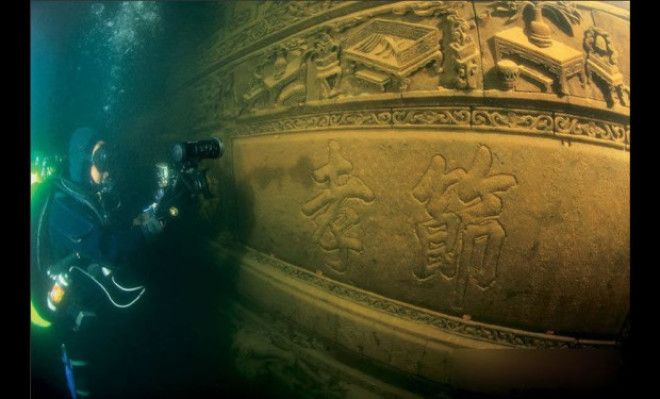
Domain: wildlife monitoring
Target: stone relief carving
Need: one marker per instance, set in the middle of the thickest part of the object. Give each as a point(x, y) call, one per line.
point(426, 8)
point(265, 18)
point(546, 66)
point(507, 119)
point(384, 51)
point(563, 13)
point(263, 351)
point(279, 79)
point(327, 70)
point(326, 63)
point(601, 63)
point(557, 125)
point(378, 55)
point(541, 122)
point(435, 116)
point(532, 52)
point(462, 236)
point(465, 52)
point(331, 210)
point(568, 125)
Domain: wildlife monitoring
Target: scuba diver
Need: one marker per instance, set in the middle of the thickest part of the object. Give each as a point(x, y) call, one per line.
point(78, 245)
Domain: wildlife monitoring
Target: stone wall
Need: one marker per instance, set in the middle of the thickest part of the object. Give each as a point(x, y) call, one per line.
point(411, 178)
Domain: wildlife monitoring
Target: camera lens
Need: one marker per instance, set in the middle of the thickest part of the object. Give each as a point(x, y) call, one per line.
point(197, 150)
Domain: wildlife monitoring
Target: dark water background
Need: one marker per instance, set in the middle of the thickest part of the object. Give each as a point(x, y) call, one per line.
point(104, 65)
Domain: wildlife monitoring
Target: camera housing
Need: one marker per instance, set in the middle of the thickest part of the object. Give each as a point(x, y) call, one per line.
point(195, 151)
point(181, 180)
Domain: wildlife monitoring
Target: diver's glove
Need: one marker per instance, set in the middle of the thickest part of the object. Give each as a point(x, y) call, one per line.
point(149, 224)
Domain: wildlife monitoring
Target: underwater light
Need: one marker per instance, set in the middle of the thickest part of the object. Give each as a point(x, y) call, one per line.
point(36, 318)
point(34, 178)
point(43, 167)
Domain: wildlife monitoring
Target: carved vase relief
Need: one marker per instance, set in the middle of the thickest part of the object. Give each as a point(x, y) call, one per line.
point(333, 212)
point(462, 236)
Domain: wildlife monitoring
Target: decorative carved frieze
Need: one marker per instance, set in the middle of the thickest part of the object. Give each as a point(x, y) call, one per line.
point(324, 65)
point(431, 117)
point(266, 18)
point(455, 325)
point(512, 120)
point(571, 126)
point(505, 120)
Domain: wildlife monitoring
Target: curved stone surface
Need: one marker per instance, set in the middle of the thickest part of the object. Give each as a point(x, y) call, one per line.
point(461, 169)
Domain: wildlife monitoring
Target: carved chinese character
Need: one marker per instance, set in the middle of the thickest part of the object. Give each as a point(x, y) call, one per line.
point(462, 235)
point(331, 210)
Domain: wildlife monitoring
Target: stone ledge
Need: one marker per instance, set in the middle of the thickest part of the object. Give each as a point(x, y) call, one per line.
point(409, 320)
point(386, 333)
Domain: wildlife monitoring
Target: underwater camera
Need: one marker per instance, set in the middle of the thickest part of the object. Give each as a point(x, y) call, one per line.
point(182, 179)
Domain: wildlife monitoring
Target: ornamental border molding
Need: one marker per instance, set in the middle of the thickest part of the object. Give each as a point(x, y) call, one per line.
point(329, 14)
point(558, 125)
point(450, 324)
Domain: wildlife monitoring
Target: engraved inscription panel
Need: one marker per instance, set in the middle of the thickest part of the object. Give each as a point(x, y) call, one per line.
point(458, 222)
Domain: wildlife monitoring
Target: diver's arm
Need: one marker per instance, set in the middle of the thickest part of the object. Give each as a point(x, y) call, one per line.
point(116, 246)
point(73, 229)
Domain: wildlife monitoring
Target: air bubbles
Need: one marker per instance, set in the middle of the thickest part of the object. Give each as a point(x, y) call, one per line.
point(97, 8)
point(120, 32)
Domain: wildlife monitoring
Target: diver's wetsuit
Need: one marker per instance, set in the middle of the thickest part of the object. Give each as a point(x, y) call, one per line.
point(76, 224)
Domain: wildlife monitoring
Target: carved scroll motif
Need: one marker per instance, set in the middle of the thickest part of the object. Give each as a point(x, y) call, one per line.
point(556, 125)
point(526, 121)
point(432, 117)
point(595, 129)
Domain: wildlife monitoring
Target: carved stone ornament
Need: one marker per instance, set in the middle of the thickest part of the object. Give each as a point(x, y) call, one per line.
point(407, 179)
point(601, 63)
